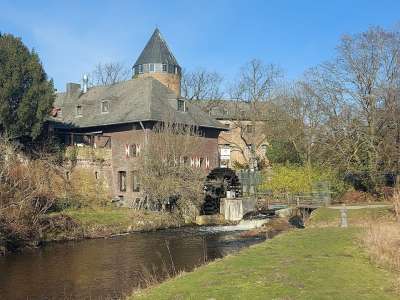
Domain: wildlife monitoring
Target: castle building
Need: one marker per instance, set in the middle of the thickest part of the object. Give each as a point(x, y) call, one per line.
point(246, 132)
point(118, 119)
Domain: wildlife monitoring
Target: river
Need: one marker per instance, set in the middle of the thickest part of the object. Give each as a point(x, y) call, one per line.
point(113, 267)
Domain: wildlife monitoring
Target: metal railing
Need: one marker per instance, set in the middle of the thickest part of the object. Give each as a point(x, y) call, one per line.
point(312, 199)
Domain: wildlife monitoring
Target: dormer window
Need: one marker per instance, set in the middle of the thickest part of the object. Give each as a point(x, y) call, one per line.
point(78, 111)
point(250, 128)
point(181, 105)
point(105, 107)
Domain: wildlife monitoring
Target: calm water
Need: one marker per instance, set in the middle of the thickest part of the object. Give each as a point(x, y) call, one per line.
point(109, 268)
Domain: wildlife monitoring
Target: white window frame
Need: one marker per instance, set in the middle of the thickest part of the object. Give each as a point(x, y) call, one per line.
point(184, 109)
point(103, 103)
point(78, 111)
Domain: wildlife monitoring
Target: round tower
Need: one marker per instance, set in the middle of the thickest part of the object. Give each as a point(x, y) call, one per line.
point(157, 61)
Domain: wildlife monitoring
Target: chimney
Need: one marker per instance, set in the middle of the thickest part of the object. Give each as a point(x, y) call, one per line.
point(85, 81)
point(73, 88)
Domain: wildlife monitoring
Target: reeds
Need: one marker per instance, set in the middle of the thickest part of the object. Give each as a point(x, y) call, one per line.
point(382, 240)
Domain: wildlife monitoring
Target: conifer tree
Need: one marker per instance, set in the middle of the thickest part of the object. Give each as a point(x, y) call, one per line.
point(26, 94)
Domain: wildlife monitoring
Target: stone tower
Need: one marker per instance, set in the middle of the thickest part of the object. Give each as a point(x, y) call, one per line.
point(157, 61)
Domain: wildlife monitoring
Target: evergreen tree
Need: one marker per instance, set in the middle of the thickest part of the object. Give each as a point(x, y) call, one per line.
point(26, 95)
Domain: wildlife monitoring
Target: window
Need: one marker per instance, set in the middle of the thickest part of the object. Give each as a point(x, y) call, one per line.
point(78, 110)
point(176, 70)
point(214, 111)
point(250, 128)
point(122, 181)
point(96, 175)
point(181, 105)
point(249, 148)
point(151, 67)
point(134, 150)
point(164, 67)
point(105, 106)
point(264, 149)
point(140, 68)
point(135, 182)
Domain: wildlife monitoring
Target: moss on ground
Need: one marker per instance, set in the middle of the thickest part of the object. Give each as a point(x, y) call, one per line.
point(316, 263)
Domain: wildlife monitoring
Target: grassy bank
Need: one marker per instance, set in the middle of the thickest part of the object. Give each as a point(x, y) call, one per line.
point(315, 263)
point(328, 217)
point(103, 222)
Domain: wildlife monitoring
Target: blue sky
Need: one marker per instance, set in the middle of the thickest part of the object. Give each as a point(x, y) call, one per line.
point(71, 37)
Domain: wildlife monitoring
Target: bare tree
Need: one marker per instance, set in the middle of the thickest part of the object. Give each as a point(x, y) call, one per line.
point(109, 73)
point(354, 105)
point(168, 170)
point(202, 85)
point(251, 91)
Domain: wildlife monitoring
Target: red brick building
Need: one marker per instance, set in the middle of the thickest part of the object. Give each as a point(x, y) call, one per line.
point(119, 117)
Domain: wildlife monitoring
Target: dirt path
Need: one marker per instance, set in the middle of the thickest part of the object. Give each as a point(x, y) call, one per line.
point(360, 206)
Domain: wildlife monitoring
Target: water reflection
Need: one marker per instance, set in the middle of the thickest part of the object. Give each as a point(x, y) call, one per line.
point(106, 268)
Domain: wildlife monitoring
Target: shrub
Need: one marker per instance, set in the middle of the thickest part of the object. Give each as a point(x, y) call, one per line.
point(300, 179)
point(28, 188)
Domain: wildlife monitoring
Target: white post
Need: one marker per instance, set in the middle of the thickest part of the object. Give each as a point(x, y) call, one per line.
point(343, 216)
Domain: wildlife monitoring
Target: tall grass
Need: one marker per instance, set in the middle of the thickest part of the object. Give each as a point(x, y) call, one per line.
point(396, 203)
point(382, 240)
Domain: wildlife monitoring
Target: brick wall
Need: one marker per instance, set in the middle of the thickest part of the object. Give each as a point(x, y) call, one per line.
point(125, 135)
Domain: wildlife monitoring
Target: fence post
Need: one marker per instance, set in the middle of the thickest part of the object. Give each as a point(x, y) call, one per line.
point(343, 216)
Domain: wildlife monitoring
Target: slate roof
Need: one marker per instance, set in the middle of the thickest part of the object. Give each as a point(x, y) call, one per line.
point(156, 51)
point(231, 110)
point(140, 99)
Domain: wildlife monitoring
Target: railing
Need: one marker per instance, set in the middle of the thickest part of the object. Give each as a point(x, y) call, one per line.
point(312, 199)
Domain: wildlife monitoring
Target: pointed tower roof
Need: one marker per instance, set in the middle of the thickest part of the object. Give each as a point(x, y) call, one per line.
point(156, 51)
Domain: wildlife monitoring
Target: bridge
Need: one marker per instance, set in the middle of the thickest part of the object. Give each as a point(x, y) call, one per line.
point(234, 209)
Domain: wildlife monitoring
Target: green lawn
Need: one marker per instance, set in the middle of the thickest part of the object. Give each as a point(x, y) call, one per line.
point(331, 217)
point(314, 263)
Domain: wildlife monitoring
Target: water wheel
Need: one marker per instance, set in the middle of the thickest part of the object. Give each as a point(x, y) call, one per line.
point(218, 182)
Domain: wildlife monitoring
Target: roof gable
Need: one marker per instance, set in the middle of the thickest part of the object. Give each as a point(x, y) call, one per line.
point(156, 51)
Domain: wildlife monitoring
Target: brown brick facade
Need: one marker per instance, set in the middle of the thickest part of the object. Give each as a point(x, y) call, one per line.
point(171, 81)
point(125, 136)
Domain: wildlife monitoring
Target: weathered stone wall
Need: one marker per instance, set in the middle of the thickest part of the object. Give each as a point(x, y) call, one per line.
point(239, 152)
point(234, 209)
point(89, 171)
point(172, 81)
